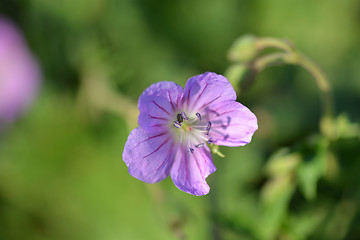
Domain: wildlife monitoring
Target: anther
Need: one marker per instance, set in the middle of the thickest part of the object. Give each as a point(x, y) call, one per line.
point(208, 127)
point(199, 145)
point(177, 124)
point(198, 115)
point(191, 149)
point(209, 141)
point(184, 116)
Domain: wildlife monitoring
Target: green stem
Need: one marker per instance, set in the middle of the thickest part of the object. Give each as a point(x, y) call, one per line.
point(270, 60)
point(96, 93)
point(291, 56)
point(325, 92)
point(269, 42)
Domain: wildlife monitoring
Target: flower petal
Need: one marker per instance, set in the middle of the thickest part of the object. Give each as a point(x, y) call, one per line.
point(20, 75)
point(149, 157)
point(158, 104)
point(233, 124)
point(207, 88)
point(190, 170)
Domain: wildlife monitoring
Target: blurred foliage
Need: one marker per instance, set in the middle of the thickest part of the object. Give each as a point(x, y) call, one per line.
point(61, 172)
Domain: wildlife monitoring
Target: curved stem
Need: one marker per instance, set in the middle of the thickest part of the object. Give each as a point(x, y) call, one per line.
point(270, 60)
point(99, 96)
point(325, 92)
point(269, 42)
point(294, 57)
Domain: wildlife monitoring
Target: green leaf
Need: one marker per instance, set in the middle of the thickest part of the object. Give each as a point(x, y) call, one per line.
point(309, 172)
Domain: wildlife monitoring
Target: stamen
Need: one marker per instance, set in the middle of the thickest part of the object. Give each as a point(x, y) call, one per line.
point(196, 131)
point(199, 145)
point(198, 115)
point(184, 116)
point(208, 127)
point(199, 136)
point(177, 124)
point(179, 118)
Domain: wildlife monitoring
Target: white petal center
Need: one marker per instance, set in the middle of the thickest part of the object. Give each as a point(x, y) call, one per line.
point(192, 130)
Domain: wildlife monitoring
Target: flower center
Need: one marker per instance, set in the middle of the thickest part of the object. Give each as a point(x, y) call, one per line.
point(192, 131)
point(186, 127)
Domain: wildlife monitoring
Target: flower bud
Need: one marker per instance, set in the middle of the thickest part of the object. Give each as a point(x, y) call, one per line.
point(243, 49)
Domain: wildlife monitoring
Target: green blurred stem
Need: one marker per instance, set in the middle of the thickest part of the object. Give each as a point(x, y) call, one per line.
point(98, 96)
point(269, 42)
point(270, 60)
point(325, 93)
point(296, 58)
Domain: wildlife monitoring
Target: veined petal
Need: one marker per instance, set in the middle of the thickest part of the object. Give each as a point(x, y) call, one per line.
point(157, 105)
point(149, 156)
point(205, 89)
point(190, 170)
point(233, 124)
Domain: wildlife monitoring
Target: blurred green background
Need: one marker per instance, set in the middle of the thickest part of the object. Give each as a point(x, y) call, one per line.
point(61, 171)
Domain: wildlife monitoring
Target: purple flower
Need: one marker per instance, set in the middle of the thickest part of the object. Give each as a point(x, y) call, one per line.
point(176, 126)
point(19, 73)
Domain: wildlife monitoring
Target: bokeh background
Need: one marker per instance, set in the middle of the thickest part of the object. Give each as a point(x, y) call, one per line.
point(61, 170)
